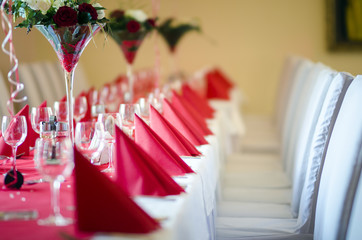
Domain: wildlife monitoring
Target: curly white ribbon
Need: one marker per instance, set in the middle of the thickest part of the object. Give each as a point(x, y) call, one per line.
point(7, 26)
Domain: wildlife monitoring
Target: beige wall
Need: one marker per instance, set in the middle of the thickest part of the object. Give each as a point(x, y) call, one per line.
point(249, 39)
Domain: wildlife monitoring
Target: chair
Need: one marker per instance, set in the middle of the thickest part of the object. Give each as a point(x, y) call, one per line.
point(337, 204)
point(303, 188)
point(263, 134)
point(315, 88)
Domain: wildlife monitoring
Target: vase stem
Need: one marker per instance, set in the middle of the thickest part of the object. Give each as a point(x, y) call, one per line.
point(69, 79)
point(130, 78)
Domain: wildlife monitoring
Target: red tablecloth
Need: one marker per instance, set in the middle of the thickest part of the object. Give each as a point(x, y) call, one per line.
point(35, 197)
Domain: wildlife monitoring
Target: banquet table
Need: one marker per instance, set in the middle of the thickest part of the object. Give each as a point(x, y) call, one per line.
point(186, 216)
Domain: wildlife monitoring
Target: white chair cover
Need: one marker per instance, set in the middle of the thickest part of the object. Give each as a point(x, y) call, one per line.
point(325, 123)
point(342, 158)
point(32, 88)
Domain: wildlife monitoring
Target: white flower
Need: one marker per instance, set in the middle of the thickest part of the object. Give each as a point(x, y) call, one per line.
point(42, 5)
point(100, 13)
point(138, 15)
point(58, 3)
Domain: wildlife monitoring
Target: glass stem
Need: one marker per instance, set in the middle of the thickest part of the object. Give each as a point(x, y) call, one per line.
point(69, 79)
point(14, 160)
point(110, 155)
point(130, 78)
point(54, 191)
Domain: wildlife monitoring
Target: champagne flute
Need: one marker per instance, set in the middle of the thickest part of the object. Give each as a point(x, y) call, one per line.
point(54, 161)
point(89, 140)
point(14, 130)
point(109, 122)
point(80, 108)
point(127, 111)
point(38, 115)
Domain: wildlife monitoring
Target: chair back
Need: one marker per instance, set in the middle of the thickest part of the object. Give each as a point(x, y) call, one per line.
point(341, 168)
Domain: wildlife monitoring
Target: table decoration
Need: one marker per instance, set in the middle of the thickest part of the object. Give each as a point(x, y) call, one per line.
point(171, 135)
point(109, 121)
point(172, 30)
point(128, 112)
point(129, 28)
point(193, 133)
point(190, 113)
point(152, 144)
point(199, 102)
point(7, 26)
point(112, 209)
point(68, 25)
point(89, 140)
point(137, 173)
point(54, 161)
point(14, 130)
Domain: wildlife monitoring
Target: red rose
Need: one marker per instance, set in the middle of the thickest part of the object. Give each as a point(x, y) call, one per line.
point(117, 14)
point(65, 16)
point(86, 7)
point(152, 22)
point(133, 26)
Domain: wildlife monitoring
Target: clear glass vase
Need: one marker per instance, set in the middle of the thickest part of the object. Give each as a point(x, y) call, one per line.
point(129, 44)
point(69, 43)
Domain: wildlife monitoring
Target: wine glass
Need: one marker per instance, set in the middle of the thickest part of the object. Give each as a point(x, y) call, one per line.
point(127, 111)
point(80, 108)
point(61, 111)
point(96, 110)
point(144, 110)
point(54, 161)
point(89, 140)
point(109, 122)
point(38, 115)
point(14, 130)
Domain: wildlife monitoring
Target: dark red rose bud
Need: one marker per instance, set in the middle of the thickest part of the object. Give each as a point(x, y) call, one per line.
point(133, 26)
point(65, 16)
point(117, 14)
point(152, 22)
point(86, 7)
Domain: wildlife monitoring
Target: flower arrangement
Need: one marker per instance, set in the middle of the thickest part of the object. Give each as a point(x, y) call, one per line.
point(128, 28)
point(57, 13)
point(172, 31)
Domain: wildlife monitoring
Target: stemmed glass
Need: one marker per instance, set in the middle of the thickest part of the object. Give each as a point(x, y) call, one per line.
point(80, 108)
point(144, 110)
point(14, 130)
point(54, 161)
point(127, 112)
point(109, 122)
point(61, 111)
point(89, 140)
point(38, 115)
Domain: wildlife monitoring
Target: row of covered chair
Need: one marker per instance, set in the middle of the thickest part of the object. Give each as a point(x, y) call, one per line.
point(42, 80)
point(298, 177)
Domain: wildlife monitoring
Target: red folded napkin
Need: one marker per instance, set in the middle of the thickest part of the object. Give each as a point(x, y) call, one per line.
point(190, 113)
point(137, 173)
point(29, 141)
point(216, 86)
point(102, 206)
point(223, 78)
point(199, 102)
point(64, 99)
point(171, 135)
point(193, 134)
point(152, 144)
point(43, 104)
